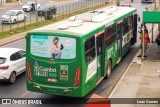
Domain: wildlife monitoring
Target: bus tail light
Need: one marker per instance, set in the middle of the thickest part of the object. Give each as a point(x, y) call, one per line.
point(4, 67)
point(77, 77)
point(29, 72)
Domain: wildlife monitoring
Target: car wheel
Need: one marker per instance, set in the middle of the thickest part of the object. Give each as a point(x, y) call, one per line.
point(14, 21)
point(12, 78)
point(109, 68)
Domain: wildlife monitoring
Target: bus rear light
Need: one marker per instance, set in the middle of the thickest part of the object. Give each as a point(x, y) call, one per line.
point(77, 77)
point(4, 67)
point(29, 72)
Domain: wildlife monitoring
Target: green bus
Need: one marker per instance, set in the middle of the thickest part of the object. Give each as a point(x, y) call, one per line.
point(70, 57)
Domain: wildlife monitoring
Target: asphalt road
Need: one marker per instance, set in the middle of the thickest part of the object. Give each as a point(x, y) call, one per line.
point(18, 90)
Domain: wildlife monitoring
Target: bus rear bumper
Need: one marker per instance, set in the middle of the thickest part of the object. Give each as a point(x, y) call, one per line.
point(63, 91)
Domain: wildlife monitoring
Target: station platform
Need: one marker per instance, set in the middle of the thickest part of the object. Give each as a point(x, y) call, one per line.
point(140, 83)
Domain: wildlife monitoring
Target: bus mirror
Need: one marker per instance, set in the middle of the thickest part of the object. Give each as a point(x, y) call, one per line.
point(139, 19)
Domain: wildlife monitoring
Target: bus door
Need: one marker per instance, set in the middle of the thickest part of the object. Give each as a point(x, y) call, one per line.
point(100, 54)
point(134, 39)
point(120, 39)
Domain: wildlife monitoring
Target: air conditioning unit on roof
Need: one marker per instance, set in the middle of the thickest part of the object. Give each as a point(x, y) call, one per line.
point(95, 16)
point(63, 27)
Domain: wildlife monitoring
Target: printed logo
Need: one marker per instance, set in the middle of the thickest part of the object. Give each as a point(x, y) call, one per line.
point(6, 101)
point(43, 71)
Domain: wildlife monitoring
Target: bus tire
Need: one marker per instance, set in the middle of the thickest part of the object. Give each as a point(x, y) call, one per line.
point(109, 68)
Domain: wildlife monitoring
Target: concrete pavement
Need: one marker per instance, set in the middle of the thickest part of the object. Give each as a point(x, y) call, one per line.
point(141, 79)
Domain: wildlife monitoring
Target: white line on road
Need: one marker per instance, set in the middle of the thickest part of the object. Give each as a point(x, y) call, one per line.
point(25, 94)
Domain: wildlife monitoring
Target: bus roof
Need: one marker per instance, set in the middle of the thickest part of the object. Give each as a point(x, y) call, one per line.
point(87, 22)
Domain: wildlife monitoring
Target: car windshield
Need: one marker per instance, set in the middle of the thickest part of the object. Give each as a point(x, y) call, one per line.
point(28, 4)
point(10, 13)
point(2, 60)
point(46, 7)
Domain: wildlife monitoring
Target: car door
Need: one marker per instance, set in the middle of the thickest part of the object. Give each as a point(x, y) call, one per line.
point(20, 16)
point(22, 59)
point(15, 62)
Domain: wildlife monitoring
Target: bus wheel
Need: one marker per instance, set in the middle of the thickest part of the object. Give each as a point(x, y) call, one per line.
point(109, 68)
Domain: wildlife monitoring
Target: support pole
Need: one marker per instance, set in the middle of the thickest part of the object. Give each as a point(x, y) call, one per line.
point(159, 28)
point(152, 32)
point(143, 42)
point(152, 23)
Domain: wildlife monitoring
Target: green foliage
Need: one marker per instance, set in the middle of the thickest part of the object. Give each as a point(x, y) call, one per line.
point(8, 0)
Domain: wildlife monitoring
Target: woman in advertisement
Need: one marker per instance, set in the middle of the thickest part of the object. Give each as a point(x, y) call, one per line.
point(56, 48)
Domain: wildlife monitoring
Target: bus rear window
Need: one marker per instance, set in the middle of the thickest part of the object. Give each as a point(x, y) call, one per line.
point(53, 47)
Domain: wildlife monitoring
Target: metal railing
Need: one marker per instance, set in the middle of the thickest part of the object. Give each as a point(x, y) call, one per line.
point(154, 6)
point(63, 11)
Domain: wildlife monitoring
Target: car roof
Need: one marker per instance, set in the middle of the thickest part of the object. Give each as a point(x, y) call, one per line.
point(5, 52)
point(16, 10)
point(30, 2)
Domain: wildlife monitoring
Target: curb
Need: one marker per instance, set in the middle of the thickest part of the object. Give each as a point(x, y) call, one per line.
point(18, 37)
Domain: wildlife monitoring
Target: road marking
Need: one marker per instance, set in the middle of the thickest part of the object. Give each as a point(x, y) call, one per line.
point(119, 81)
point(25, 94)
point(149, 47)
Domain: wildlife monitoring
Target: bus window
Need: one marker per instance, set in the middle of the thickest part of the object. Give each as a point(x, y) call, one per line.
point(110, 35)
point(113, 37)
point(126, 26)
point(90, 49)
point(99, 44)
point(130, 21)
point(53, 47)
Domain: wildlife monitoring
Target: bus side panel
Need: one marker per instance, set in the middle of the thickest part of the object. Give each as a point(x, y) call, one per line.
point(125, 48)
point(111, 54)
point(89, 69)
point(126, 43)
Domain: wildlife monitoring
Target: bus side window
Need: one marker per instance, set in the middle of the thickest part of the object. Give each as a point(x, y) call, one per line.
point(125, 22)
point(113, 38)
point(110, 35)
point(127, 25)
point(90, 49)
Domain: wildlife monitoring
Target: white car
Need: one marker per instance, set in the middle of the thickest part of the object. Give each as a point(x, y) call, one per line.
point(13, 16)
point(28, 6)
point(12, 63)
